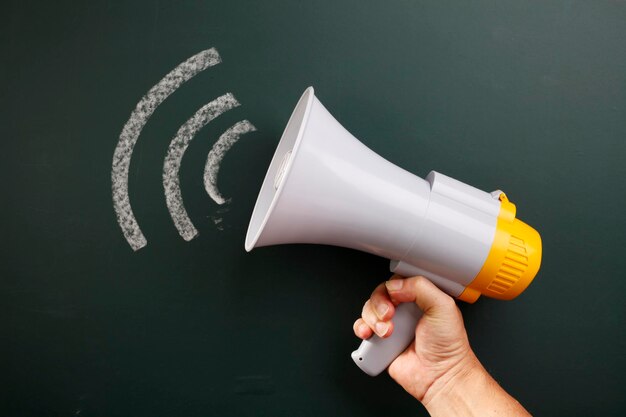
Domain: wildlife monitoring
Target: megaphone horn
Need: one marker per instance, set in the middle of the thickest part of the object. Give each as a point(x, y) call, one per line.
point(323, 186)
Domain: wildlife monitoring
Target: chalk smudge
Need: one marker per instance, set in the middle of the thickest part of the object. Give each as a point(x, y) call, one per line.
point(130, 133)
point(173, 159)
point(218, 220)
point(219, 149)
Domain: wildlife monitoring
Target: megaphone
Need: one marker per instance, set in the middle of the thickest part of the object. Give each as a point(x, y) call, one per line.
point(323, 186)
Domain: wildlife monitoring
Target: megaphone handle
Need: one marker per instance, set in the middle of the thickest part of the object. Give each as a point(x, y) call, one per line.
point(376, 354)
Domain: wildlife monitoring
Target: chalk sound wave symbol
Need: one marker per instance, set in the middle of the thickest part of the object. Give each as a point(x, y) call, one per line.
point(176, 150)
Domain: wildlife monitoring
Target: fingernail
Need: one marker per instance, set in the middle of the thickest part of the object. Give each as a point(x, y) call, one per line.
point(363, 328)
point(394, 284)
point(381, 328)
point(381, 310)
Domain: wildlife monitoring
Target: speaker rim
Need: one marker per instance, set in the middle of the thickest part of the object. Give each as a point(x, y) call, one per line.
point(306, 100)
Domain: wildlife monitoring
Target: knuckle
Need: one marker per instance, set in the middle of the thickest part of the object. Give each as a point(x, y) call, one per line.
point(416, 282)
point(419, 280)
point(379, 292)
point(365, 308)
point(448, 302)
point(368, 315)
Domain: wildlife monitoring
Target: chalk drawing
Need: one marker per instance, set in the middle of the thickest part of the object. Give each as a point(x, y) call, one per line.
point(175, 152)
point(223, 144)
point(130, 133)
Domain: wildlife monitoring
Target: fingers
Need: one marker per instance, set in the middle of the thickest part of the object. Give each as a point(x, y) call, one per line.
point(376, 315)
point(420, 291)
point(362, 330)
point(380, 308)
point(381, 304)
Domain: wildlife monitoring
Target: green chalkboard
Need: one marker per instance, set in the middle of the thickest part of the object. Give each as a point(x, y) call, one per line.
point(525, 96)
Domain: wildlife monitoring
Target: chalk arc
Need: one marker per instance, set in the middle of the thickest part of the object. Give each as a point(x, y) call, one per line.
point(174, 156)
point(214, 159)
point(130, 134)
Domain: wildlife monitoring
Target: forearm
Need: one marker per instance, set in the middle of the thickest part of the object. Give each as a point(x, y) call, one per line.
point(471, 392)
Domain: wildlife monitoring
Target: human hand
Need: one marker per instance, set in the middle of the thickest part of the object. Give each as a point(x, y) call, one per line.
point(439, 368)
point(441, 350)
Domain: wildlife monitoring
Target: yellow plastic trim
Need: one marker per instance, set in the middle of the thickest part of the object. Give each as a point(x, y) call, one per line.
point(512, 262)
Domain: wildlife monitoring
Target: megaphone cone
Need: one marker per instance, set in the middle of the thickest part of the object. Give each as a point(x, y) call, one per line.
point(324, 186)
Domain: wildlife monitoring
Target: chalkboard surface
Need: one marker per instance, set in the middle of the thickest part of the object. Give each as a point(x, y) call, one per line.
point(525, 96)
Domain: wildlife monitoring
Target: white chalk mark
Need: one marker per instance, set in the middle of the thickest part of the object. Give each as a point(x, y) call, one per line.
point(218, 222)
point(223, 144)
point(175, 152)
point(130, 133)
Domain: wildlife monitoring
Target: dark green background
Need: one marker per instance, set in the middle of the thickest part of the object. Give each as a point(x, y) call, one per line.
point(526, 96)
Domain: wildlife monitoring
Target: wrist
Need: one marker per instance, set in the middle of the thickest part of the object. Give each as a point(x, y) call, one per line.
point(470, 391)
point(464, 391)
point(459, 379)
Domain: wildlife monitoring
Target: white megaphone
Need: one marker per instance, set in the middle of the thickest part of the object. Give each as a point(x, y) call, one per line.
point(323, 186)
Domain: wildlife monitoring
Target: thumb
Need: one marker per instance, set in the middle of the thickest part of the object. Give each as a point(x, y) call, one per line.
point(420, 291)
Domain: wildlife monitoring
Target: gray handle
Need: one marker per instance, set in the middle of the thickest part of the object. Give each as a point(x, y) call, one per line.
point(376, 354)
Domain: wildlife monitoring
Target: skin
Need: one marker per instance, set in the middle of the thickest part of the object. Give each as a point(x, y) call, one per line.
point(439, 368)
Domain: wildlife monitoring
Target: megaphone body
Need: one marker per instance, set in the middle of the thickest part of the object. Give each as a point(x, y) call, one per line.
point(324, 186)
